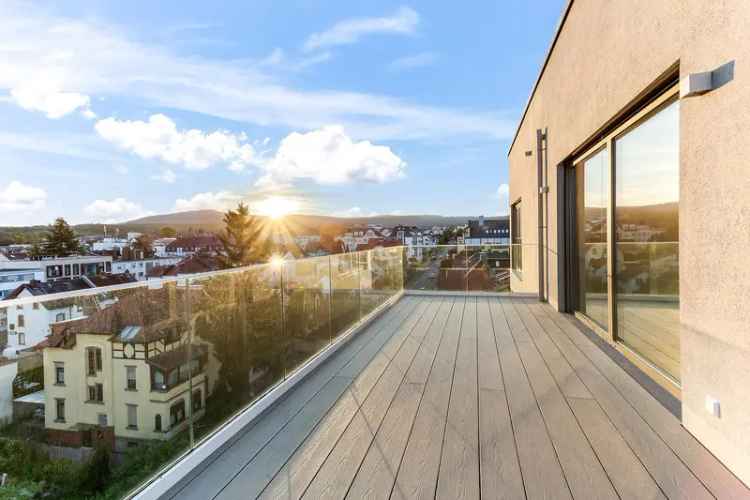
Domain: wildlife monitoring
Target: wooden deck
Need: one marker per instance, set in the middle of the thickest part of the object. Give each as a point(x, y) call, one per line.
point(467, 397)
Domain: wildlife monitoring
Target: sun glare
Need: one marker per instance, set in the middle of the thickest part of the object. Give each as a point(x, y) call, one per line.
point(276, 207)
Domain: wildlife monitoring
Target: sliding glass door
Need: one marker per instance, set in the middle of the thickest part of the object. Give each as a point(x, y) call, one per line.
point(638, 164)
point(647, 186)
point(592, 186)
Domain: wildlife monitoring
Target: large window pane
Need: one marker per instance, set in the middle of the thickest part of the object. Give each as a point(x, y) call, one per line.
point(647, 242)
point(593, 181)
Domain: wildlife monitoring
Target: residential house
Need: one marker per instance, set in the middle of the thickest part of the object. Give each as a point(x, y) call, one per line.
point(123, 374)
point(189, 245)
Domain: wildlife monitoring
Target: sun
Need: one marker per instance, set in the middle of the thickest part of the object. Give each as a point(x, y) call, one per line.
point(276, 207)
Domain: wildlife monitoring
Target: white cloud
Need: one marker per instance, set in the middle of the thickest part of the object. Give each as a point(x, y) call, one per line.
point(91, 58)
point(159, 138)
point(278, 59)
point(403, 22)
point(502, 193)
point(167, 176)
point(355, 212)
point(117, 210)
point(414, 61)
point(121, 169)
point(51, 102)
point(329, 156)
point(221, 200)
point(20, 197)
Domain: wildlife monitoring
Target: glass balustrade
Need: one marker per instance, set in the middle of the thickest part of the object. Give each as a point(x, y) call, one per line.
point(110, 385)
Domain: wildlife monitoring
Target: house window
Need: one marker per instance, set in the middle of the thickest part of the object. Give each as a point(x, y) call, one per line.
point(177, 413)
point(102, 420)
point(21, 321)
point(96, 393)
point(132, 416)
point(159, 382)
point(76, 269)
point(59, 410)
point(130, 376)
point(36, 306)
point(157, 423)
point(21, 338)
point(67, 269)
point(197, 400)
point(59, 317)
point(59, 374)
point(516, 256)
point(93, 360)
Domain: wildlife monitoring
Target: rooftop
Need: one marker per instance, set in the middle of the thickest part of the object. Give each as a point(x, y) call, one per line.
point(466, 397)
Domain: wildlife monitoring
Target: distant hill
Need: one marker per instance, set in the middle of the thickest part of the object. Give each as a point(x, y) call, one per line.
point(211, 220)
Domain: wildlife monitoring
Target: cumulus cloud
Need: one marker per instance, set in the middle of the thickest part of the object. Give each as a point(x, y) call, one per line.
point(329, 156)
point(414, 61)
point(20, 197)
point(116, 210)
point(159, 138)
point(220, 200)
point(92, 58)
point(53, 103)
point(403, 22)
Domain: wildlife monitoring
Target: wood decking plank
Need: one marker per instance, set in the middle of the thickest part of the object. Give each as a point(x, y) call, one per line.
point(542, 475)
point(247, 444)
point(583, 472)
point(500, 472)
point(340, 467)
point(458, 476)
point(669, 472)
point(417, 476)
point(630, 478)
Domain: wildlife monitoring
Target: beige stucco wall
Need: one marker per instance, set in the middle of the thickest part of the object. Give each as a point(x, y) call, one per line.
point(606, 54)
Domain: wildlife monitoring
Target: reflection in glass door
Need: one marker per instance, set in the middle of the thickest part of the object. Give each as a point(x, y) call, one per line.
point(592, 184)
point(647, 182)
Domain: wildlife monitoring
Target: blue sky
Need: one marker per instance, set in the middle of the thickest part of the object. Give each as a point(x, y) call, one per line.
point(111, 111)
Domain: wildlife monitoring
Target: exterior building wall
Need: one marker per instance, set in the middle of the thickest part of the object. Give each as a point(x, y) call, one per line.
point(605, 56)
point(37, 323)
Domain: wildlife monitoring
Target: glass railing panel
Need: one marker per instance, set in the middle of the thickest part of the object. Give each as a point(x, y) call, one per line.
point(345, 303)
point(307, 315)
point(488, 268)
point(238, 324)
point(386, 274)
point(82, 377)
point(440, 267)
point(648, 302)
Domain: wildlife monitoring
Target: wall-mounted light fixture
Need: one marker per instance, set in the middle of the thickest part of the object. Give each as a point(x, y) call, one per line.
point(699, 83)
point(528, 153)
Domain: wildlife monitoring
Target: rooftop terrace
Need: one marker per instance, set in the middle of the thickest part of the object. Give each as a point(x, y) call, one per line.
point(466, 397)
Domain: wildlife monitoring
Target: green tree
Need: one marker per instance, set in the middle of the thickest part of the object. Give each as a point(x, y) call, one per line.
point(36, 252)
point(167, 232)
point(241, 238)
point(60, 240)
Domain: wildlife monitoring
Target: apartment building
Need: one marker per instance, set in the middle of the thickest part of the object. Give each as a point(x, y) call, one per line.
point(140, 268)
point(628, 193)
point(483, 231)
point(122, 375)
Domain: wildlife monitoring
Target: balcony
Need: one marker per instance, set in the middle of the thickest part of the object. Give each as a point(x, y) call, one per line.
point(465, 397)
point(390, 373)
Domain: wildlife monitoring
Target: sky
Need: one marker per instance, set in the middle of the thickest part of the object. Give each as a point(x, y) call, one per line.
point(110, 111)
